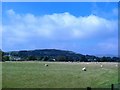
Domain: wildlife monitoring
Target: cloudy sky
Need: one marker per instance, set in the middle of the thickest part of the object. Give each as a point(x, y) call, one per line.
point(86, 28)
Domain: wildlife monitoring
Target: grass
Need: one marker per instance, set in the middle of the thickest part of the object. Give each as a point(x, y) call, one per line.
point(58, 75)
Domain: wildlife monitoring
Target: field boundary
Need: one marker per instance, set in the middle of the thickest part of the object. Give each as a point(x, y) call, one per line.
point(88, 88)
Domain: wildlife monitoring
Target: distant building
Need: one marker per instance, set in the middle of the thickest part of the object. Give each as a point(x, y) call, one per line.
point(13, 58)
point(16, 58)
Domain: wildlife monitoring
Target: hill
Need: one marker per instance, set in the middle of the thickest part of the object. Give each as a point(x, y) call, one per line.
point(54, 55)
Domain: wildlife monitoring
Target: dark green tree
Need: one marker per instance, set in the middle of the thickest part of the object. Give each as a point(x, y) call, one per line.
point(6, 58)
point(0, 55)
point(31, 58)
point(83, 58)
point(46, 58)
point(103, 59)
point(61, 58)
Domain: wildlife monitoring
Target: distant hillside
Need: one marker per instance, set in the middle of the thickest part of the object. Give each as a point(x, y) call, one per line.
point(54, 55)
point(107, 55)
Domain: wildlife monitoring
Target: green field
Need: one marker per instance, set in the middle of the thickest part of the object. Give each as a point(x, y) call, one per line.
point(58, 75)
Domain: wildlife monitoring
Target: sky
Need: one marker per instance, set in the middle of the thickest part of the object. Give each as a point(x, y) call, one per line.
point(82, 27)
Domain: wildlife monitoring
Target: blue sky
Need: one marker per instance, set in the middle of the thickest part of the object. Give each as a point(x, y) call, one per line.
point(84, 27)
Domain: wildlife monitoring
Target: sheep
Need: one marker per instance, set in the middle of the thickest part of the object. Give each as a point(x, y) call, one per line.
point(84, 69)
point(101, 65)
point(46, 65)
point(87, 63)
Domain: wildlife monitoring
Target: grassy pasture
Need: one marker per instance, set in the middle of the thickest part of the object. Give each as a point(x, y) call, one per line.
point(58, 75)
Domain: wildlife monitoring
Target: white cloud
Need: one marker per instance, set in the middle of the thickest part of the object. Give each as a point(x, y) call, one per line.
point(27, 28)
point(11, 12)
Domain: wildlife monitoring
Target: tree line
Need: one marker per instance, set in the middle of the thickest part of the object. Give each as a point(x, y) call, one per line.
point(53, 55)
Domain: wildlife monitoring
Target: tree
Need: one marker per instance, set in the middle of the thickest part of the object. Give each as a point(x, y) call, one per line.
point(61, 58)
point(46, 58)
point(6, 58)
point(1, 55)
point(116, 59)
point(31, 58)
point(106, 59)
point(83, 58)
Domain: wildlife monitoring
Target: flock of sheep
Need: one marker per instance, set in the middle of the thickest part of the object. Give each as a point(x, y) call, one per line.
point(84, 68)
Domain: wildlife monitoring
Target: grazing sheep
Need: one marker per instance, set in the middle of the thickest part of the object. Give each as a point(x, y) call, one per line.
point(101, 65)
point(84, 69)
point(46, 65)
point(87, 63)
point(116, 65)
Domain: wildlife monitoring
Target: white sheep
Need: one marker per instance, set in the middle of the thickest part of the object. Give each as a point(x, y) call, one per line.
point(84, 69)
point(46, 65)
point(87, 63)
point(101, 65)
